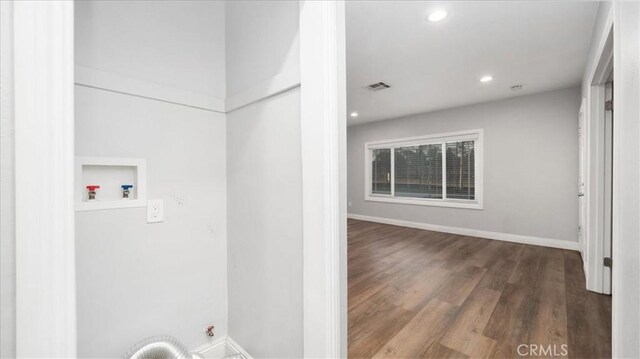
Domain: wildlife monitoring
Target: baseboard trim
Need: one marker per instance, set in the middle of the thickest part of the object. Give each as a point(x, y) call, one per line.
point(216, 343)
point(507, 237)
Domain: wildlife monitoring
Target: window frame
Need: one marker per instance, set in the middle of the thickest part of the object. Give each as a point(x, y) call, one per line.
point(476, 135)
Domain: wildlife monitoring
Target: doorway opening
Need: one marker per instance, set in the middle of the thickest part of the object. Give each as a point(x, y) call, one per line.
point(596, 206)
point(462, 169)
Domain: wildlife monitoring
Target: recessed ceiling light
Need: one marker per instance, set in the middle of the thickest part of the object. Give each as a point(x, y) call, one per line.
point(486, 78)
point(354, 114)
point(437, 15)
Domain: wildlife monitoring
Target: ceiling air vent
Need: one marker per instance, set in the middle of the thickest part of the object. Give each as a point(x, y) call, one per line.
point(378, 86)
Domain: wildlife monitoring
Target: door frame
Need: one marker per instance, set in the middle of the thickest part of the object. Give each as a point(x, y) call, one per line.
point(607, 186)
point(323, 135)
point(42, 94)
point(623, 19)
point(625, 313)
point(593, 251)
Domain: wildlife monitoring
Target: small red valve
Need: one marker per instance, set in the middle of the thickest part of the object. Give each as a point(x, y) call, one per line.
point(210, 330)
point(92, 191)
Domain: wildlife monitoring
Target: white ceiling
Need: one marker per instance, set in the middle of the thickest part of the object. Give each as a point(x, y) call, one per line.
point(542, 45)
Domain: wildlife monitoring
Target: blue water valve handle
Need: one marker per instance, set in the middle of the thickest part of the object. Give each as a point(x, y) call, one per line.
point(125, 190)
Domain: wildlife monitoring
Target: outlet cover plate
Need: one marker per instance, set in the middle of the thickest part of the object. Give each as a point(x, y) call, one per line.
point(155, 211)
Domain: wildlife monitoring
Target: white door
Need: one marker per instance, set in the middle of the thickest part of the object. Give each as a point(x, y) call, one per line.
point(582, 213)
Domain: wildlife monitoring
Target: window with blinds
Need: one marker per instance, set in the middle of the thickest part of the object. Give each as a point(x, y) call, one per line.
point(381, 171)
point(418, 171)
point(437, 170)
point(460, 170)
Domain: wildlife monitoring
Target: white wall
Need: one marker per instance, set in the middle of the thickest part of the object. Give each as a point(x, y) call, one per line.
point(178, 44)
point(7, 188)
point(530, 165)
point(264, 181)
point(265, 227)
point(137, 279)
point(262, 41)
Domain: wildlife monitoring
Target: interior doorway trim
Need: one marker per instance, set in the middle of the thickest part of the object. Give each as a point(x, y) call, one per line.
point(44, 145)
point(323, 136)
point(594, 249)
point(625, 313)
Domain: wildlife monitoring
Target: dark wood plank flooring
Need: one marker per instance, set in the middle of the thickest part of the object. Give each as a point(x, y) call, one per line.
point(423, 294)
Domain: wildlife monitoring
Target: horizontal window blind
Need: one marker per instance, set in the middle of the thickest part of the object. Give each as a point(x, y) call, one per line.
point(460, 169)
point(381, 171)
point(418, 171)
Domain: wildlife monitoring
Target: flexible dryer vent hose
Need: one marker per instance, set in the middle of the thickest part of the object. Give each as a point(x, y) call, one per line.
point(161, 347)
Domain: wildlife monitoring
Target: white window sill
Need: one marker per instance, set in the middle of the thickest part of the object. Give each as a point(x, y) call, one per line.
point(453, 203)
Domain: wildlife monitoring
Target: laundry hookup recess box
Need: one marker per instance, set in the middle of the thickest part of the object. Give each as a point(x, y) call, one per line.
point(110, 183)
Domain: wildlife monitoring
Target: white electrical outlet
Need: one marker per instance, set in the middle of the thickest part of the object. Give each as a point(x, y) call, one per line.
point(155, 211)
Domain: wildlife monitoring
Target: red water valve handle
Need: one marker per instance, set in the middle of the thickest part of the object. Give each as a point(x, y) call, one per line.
point(92, 187)
point(210, 330)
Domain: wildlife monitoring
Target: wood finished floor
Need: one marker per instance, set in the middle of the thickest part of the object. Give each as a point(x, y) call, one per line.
point(416, 293)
